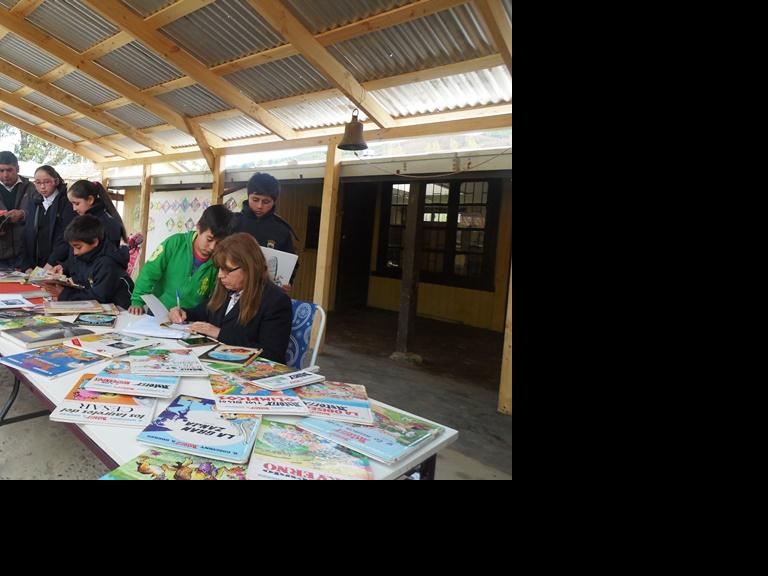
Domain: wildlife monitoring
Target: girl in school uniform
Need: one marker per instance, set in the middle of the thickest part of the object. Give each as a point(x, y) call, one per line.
point(90, 198)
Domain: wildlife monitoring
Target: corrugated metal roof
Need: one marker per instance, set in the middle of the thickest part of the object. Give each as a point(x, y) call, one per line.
point(94, 126)
point(175, 138)
point(129, 145)
point(194, 101)
point(321, 16)
point(64, 133)
point(235, 128)
point(9, 3)
point(13, 111)
point(136, 116)
point(223, 31)
point(85, 88)
point(444, 38)
point(147, 7)
point(139, 65)
point(9, 84)
point(480, 88)
point(48, 103)
point(317, 113)
point(73, 23)
point(280, 79)
point(98, 150)
point(26, 56)
point(508, 7)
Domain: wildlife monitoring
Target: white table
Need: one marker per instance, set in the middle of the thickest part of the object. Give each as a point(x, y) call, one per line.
point(115, 445)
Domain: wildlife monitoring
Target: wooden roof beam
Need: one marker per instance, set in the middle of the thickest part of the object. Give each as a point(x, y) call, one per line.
point(25, 7)
point(496, 21)
point(205, 147)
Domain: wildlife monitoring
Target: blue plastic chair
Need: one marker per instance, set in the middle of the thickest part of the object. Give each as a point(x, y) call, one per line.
point(300, 354)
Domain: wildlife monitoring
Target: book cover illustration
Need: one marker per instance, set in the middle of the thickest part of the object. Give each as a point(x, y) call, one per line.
point(41, 276)
point(167, 465)
point(280, 265)
point(72, 307)
point(267, 374)
point(36, 336)
point(52, 361)
point(99, 320)
point(337, 401)
point(26, 320)
point(193, 425)
point(163, 362)
point(117, 378)
point(235, 355)
point(84, 406)
point(286, 452)
point(14, 301)
point(239, 397)
point(392, 436)
point(111, 344)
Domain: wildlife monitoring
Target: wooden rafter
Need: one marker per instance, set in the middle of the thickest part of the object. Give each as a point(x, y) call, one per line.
point(158, 42)
point(205, 147)
point(497, 22)
point(25, 7)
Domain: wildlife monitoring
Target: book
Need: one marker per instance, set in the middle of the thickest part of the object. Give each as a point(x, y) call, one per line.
point(167, 465)
point(337, 401)
point(73, 307)
point(12, 277)
point(84, 406)
point(147, 325)
point(41, 276)
point(235, 355)
point(197, 340)
point(164, 362)
point(393, 435)
point(193, 425)
point(97, 320)
point(111, 344)
point(117, 378)
point(14, 301)
point(52, 361)
point(29, 320)
point(13, 314)
point(286, 452)
point(280, 265)
point(242, 398)
point(37, 336)
point(110, 309)
point(158, 309)
point(267, 374)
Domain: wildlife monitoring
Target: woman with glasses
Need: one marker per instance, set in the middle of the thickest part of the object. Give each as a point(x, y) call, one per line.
point(48, 214)
point(246, 308)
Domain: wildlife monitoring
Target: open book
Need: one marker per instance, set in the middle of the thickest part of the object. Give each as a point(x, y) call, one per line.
point(42, 276)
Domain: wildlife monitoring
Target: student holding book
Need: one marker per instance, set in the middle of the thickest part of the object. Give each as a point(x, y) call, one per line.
point(94, 263)
point(90, 198)
point(183, 265)
point(246, 308)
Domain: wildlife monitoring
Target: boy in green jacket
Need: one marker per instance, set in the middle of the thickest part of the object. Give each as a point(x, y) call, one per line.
point(182, 265)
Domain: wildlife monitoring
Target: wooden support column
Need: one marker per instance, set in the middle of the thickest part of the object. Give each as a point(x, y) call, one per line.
point(505, 385)
point(409, 287)
point(328, 216)
point(217, 192)
point(146, 189)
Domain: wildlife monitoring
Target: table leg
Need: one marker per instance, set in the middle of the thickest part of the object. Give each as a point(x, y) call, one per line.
point(9, 403)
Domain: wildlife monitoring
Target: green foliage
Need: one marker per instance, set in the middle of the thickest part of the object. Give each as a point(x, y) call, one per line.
point(32, 148)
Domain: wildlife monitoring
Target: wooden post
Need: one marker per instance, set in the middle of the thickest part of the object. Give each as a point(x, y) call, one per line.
point(505, 385)
point(146, 189)
point(105, 180)
point(217, 189)
point(328, 214)
point(409, 288)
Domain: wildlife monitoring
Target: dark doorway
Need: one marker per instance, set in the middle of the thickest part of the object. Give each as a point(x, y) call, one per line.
point(358, 213)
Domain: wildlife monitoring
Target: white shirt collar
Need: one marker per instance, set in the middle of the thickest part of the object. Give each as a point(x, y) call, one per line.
point(233, 300)
point(48, 201)
point(9, 188)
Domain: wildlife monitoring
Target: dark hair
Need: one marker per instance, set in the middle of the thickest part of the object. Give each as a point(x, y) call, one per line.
point(264, 185)
point(8, 157)
point(86, 229)
point(51, 171)
point(83, 189)
point(217, 219)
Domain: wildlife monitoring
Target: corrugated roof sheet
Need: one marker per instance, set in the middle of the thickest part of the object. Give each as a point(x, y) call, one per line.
point(235, 128)
point(136, 116)
point(64, 133)
point(85, 88)
point(9, 84)
point(317, 113)
point(9, 3)
point(480, 88)
point(48, 103)
point(98, 149)
point(279, 79)
point(139, 65)
point(223, 31)
point(94, 126)
point(194, 101)
point(147, 7)
point(73, 23)
point(13, 111)
point(26, 56)
point(444, 38)
point(175, 138)
point(321, 16)
point(129, 145)
point(508, 7)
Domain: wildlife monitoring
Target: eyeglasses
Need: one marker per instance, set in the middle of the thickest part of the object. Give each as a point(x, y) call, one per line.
point(228, 271)
point(43, 182)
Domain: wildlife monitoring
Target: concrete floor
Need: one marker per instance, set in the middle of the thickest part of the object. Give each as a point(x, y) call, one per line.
point(456, 385)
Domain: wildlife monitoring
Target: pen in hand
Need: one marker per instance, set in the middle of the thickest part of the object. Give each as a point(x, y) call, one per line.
point(178, 299)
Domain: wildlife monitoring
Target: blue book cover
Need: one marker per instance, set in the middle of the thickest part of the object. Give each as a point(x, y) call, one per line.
point(52, 361)
point(193, 425)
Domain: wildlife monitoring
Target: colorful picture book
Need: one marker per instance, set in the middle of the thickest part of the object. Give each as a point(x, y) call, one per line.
point(52, 361)
point(84, 406)
point(239, 397)
point(14, 301)
point(164, 362)
point(393, 435)
point(28, 320)
point(97, 320)
point(41, 276)
point(110, 345)
point(193, 425)
point(15, 314)
point(37, 336)
point(235, 355)
point(117, 378)
point(267, 374)
point(286, 452)
point(337, 401)
point(167, 465)
point(73, 307)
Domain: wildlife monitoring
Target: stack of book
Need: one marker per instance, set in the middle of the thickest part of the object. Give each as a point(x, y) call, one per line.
point(267, 374)
point(118, 379)
point(39, 334)
point(73, 307)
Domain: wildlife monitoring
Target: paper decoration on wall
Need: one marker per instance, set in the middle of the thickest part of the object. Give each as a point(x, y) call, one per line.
point(234, 201)
point(174, 212)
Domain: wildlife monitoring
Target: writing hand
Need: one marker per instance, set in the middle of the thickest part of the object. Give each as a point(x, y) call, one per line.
point(178, 316)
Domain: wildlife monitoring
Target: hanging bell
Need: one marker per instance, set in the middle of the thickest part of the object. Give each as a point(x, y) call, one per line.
point(353, 135)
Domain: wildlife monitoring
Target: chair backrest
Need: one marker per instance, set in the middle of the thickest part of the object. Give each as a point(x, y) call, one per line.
point(300, 354)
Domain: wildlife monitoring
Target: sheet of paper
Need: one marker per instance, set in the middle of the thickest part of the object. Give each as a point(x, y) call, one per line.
point(280, 265)
point(148, 325)
point(158, 308)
